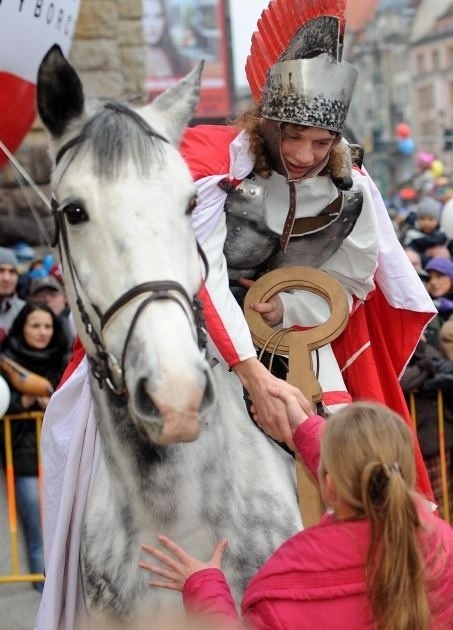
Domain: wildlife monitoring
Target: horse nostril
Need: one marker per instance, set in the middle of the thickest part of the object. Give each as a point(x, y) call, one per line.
point(143, 400)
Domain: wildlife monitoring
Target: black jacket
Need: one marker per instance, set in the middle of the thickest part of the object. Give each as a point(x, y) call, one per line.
point(427, 373)
point(49, 363)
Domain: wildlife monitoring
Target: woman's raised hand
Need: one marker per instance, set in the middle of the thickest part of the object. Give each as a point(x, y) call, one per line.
point(180, 565)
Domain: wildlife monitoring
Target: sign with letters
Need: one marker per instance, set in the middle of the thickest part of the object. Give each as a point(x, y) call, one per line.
point(28, 28)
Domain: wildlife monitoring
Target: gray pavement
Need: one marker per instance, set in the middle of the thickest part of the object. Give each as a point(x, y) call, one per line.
point(18, 602)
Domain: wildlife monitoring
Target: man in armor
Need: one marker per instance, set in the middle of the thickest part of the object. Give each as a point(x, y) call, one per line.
point(281, 187)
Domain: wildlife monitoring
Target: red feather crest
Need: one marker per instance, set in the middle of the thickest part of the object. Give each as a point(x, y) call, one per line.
point(276, 27)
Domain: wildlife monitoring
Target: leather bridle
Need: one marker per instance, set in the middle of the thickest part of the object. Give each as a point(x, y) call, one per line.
point(106, 367)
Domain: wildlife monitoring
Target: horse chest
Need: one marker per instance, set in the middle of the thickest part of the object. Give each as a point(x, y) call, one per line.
point(123, 514)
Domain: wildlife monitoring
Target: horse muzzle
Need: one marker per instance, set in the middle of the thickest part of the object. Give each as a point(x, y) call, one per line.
point(171, 412)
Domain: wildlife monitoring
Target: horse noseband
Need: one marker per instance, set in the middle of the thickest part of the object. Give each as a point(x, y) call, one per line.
point(157, 290)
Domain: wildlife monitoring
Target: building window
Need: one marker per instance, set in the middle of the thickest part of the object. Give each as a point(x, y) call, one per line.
point(435, 59)
point(428, 135)
point(450, 56)
point(420, 59)
point(426, 97)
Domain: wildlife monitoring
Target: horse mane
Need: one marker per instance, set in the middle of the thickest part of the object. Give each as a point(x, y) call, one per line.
point(116, 135)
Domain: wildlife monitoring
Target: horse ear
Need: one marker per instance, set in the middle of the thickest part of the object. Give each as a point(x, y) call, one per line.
point(60, 96)
point(178, 103)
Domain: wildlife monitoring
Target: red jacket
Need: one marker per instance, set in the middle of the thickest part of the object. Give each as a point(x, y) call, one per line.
point(317, 579)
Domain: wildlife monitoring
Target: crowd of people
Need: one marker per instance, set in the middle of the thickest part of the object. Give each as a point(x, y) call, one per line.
point(422, 223)
point(36, 333)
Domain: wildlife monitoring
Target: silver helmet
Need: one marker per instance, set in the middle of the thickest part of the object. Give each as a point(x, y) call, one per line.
point(314, 92)
point(308, 84)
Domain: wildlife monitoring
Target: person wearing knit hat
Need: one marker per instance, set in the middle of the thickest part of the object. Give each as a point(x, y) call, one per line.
point(425, 232)
point(440, 285)
point(10, 303)
point(443, 267)
point(8, 257)
point(428, 207)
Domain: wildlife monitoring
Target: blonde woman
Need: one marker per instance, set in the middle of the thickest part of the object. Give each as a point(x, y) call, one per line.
point(378, 559)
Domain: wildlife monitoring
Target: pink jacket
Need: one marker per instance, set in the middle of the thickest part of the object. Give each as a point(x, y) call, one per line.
point(316, 579)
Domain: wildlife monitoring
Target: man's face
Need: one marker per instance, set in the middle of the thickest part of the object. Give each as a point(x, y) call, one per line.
point(302, 148)
point(55, 300)
point(8, 280)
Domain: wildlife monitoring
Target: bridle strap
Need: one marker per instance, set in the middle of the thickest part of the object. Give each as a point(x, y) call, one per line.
point(157, 294)
point(159, 287)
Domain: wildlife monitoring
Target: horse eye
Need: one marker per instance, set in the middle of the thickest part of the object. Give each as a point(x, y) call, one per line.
point(75, 213)
point(192, 205)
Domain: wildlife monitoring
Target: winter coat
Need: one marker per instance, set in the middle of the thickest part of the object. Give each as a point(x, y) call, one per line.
point(49, 363)
point(317, 578)
point(10, 307)
point(420, 241)
point(427, 373)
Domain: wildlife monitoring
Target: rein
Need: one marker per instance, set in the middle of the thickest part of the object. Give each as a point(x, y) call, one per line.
point(106, 367)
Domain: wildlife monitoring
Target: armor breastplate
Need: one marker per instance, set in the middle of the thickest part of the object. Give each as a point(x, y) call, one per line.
point(252, 245)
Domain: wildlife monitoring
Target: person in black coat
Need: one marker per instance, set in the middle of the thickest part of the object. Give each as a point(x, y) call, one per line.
point(427, 373)
point(37, 342)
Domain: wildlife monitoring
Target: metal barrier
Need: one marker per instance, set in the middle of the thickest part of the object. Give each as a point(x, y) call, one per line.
point(444, 473)
point(35, 416)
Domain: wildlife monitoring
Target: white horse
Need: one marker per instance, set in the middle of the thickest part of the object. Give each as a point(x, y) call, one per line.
point(172, 460)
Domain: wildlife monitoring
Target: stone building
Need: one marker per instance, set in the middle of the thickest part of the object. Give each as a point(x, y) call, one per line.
point(107, 51)
point(432, 73)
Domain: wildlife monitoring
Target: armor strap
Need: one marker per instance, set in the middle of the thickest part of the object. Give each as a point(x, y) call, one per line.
point(290, 217)
point(306, 225)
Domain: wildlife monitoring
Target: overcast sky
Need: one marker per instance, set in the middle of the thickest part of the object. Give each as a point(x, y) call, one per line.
point(244, 15)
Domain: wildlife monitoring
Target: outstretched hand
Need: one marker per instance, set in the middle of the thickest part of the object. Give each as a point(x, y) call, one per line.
point(180, 565)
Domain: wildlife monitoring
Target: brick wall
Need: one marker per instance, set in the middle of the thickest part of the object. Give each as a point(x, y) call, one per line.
point(107, 52)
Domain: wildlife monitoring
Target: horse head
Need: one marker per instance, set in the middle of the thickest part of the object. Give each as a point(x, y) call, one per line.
point(122, 198)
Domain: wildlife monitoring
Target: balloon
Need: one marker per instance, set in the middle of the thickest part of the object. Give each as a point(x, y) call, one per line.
point(406, 146)
point(27, 31)
point(5, 396)
point(424, 160)
point(402, 130)
point(437, 168)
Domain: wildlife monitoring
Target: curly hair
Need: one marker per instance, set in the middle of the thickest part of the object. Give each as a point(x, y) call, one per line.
point(338, 166)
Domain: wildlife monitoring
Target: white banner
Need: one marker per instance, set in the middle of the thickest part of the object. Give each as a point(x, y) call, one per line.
point(28, 28)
